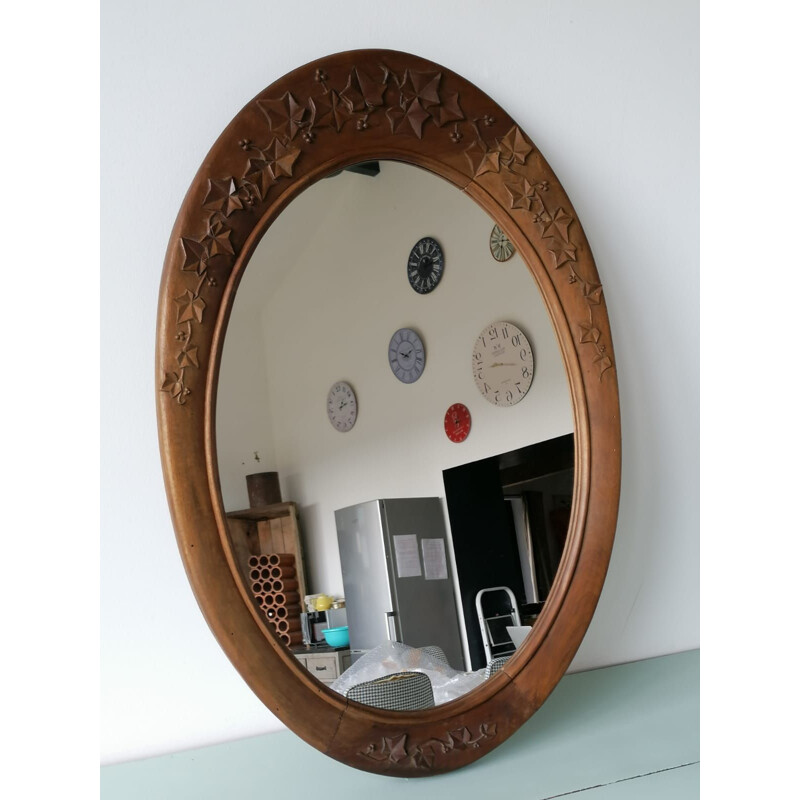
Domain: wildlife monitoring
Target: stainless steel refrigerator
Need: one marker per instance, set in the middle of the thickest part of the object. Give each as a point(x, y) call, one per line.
point(398, 582)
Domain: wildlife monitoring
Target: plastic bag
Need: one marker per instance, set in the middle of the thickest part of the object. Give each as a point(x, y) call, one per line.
point(390, 657)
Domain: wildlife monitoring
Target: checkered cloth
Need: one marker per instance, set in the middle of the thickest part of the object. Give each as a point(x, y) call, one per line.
point(434, 651)
point(401, 691)
point(495, 665)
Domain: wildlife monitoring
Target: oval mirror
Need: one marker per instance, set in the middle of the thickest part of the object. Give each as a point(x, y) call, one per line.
point(370, 407)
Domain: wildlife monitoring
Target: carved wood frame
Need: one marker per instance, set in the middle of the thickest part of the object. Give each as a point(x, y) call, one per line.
point(340, 110)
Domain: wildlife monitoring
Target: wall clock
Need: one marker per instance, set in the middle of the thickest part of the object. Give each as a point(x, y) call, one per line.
point(502, 364)
point(342, 406)
point(457, 423)
point(406, 355)
point(500, 245)
point(425, 265)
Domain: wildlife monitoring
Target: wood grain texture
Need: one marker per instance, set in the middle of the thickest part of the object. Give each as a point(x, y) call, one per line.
point(340, 110)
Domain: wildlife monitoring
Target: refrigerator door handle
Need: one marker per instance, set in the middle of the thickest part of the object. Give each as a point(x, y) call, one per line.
point(391, 632)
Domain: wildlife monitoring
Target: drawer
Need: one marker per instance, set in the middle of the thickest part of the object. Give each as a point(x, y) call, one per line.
point(324, 667)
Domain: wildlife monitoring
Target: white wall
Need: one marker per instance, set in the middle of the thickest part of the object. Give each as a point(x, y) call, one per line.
point(609, 92)
point(330, 317)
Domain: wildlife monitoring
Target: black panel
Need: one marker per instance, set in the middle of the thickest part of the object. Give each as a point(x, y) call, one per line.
point(537, 460)
point(484, 542)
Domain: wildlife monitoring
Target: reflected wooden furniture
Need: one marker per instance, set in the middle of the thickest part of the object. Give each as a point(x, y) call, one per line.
point(325, 664)
point(269, 529)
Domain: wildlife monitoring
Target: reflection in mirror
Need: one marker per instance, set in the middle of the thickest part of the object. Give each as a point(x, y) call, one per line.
point(386, 463)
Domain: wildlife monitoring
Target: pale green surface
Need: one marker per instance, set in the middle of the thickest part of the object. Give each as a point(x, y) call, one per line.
point(679, 783)
point(597, 730)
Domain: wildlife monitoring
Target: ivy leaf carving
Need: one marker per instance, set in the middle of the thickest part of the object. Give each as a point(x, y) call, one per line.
point(412, 116)
point(593, 293)
point(281, 158)
point(422, 87)
point(562, 253)
point(218, 240)
point(195, 255)
point(461, 738)
point(326, 111)
point(604, 362)
point(372, 89)
point(223, 195)
point(422, 759)
point(351, 94)
point(589, 333)
point(284, 116)
point(395, 748)
point(172, 384)
point(559, 225)
point(188, 357)
point(514, 146)
point(258, 172)
point(489, 163)
point(521, 194)
point(190, 307)
point(448, 111)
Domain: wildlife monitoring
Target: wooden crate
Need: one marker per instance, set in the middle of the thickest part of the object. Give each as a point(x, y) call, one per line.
point(270, 529)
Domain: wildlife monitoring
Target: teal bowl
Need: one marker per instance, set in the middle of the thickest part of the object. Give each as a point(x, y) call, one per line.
point(337, 637)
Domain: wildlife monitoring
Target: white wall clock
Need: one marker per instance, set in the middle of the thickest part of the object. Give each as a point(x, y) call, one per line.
point(502, 364)
point(342, 406)
point(500, 245)
point(406, 355)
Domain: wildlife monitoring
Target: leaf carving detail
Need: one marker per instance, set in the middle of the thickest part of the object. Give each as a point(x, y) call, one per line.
point(397, 750)
point(410, 103)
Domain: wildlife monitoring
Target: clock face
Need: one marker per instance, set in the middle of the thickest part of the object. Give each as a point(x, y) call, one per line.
point(342, 406)
point(457, 423)
point(406, 355)
point(500, 245)
point(502, 364)
point(425, 265)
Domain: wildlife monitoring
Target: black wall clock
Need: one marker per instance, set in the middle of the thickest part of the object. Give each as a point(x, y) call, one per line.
point(425, 265)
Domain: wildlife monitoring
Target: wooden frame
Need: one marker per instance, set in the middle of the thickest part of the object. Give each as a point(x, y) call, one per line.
point(340, 110)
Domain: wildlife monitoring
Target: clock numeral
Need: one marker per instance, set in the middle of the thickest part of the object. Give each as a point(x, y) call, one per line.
point(523, 354)
point(525, 372)
point(515, 340)
point(509, 396)
point(505, 333)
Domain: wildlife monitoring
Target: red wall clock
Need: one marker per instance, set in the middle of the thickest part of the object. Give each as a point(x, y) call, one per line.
point(457, 422)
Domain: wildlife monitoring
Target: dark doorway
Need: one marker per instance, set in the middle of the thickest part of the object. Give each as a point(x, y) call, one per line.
point(509, 517)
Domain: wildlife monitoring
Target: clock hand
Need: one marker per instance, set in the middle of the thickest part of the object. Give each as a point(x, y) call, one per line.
point(501, 364)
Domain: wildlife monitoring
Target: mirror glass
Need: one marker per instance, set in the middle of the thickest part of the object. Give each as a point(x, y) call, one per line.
point(407, 483)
